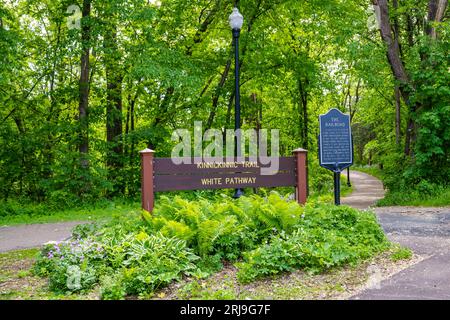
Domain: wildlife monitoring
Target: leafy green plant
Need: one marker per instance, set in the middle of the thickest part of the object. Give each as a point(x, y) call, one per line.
point(326, 237)
point(197, 290)
point(401, 253)
point(226, 227)
point(136, 263)
point(137, 254)
point(423, 194)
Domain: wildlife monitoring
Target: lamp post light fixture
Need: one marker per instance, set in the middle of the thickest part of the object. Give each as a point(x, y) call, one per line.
point(236, 21)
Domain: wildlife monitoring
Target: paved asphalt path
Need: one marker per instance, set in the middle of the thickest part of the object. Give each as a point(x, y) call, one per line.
point(425, 230)
point(34, 235)
point(366, 190)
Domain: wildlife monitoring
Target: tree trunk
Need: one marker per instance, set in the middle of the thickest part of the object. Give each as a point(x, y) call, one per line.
point(398, 69)
point(83, 108)
point(393, 51)
point(114, 103)
point(436, 12)
point(352, 108)
point(215, 100)
point(409, 136)
point(114, 92)
point(303, 102)
point(397, 115)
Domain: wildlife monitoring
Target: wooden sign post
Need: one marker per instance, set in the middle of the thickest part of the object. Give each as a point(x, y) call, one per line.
point(335, 146)
point(162, 174)
point(147, 193)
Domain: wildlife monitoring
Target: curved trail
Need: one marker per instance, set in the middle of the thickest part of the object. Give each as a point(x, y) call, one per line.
point(425, 230)
point(367, 190)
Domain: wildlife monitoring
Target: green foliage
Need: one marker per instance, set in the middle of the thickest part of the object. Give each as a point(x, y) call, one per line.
point(326, 237)
point(173, 64)
point(424, 194)
point(401, 253)
point(169, 61)
point(139, 254)
point(123, 263)
point(194, 290)
point(71, 267)
point(224, 227)
point(23, 211)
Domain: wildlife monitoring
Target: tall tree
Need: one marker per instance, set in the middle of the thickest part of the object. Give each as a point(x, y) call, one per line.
point(390, 33)
point(114, 116)
point(83, 108)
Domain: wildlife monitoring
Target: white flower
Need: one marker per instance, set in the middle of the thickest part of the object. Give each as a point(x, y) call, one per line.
point(50, 242)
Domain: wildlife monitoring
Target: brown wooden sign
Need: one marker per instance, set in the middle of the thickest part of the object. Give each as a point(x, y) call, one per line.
point(162, 174)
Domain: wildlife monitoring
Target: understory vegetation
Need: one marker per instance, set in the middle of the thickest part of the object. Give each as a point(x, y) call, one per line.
point(139, 253)
point(15, 212)
point(422, 193)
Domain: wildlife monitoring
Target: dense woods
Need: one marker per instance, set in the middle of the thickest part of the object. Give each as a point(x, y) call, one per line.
point(85, 85)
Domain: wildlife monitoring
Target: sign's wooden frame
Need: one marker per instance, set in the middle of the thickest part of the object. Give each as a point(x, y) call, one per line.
point(161, 174)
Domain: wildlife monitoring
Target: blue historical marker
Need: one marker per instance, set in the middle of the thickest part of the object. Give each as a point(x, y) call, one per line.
point(335, 145)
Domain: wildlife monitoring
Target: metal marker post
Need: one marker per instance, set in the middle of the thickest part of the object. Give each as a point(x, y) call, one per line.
point(335, 146)
point(337, 186)
point(349, 184)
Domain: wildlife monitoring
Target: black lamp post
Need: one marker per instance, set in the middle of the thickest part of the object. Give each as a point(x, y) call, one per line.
point(236, 21)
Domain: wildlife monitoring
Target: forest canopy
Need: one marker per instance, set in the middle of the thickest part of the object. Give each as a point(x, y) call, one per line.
point(85, 85)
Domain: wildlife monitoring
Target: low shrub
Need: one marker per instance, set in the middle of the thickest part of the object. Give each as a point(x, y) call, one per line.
point(423, 193)
point(262, 236)
point(71, 266)
point(136, 264)
point(11, 208)
point(326, 237)
point(225, 227)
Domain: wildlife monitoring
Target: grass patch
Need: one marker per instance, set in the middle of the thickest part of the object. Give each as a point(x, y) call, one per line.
point(329, 197)
point(417, 198)
point(15, 213)
point(345, 189)
point(401, 253)
point(372, 170)
point(16, 281)
point(423, 194)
